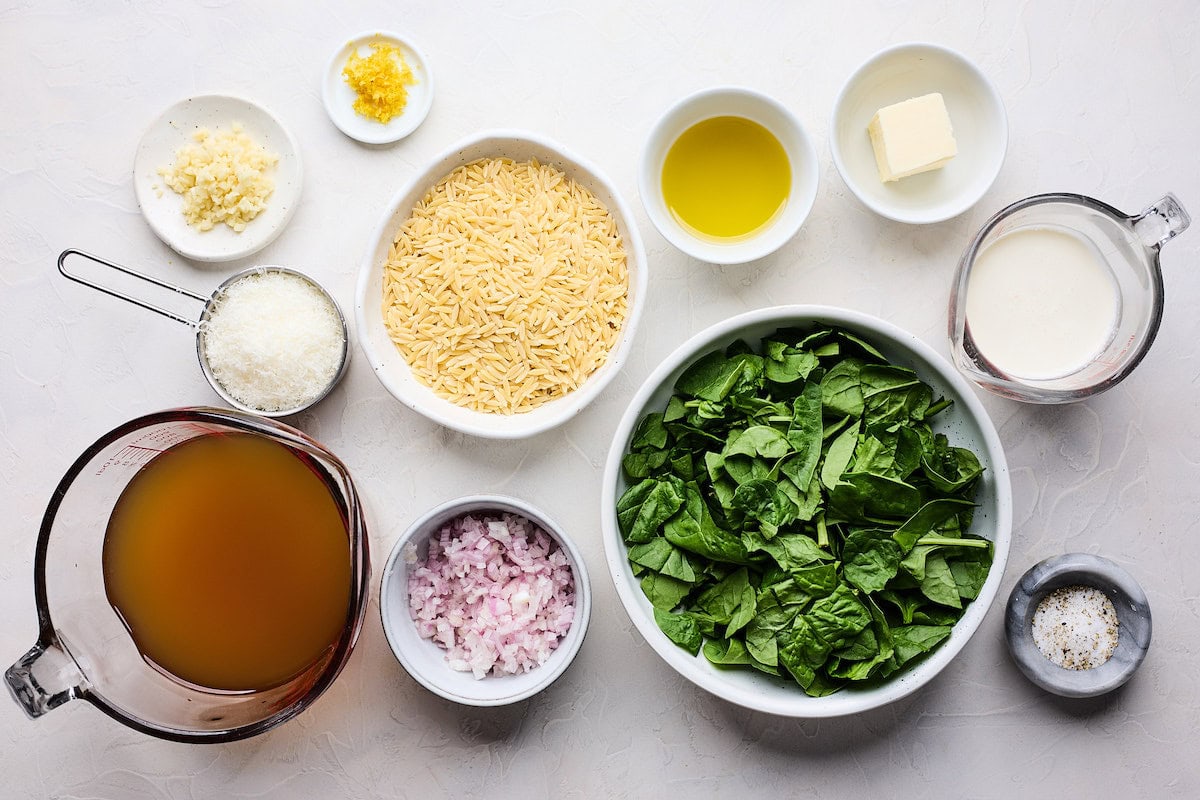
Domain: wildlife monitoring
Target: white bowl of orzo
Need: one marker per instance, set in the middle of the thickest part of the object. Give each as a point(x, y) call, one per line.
point(503, 287)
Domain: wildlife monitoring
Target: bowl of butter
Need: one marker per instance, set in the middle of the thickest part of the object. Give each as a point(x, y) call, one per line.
point(919, 133)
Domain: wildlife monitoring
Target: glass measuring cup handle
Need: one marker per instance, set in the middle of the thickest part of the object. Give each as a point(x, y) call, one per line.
point(1161, 222)
point(44, 678)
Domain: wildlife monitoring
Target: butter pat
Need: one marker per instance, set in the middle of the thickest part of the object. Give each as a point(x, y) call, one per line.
point(912, 137)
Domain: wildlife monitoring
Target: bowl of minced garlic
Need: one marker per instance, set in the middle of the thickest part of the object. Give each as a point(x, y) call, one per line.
point(1078, 625)
point(224, 177)
point(378, 88)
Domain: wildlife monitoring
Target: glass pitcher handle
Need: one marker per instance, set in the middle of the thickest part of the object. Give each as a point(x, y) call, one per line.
point(44, 678)
point(1161, 221)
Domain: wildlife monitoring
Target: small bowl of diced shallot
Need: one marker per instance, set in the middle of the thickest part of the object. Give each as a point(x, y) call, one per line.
point(485, 600)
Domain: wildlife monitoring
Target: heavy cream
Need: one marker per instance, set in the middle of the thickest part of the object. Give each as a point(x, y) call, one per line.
point(1041, 303)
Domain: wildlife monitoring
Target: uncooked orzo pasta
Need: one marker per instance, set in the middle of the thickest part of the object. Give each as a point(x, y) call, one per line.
point(507, 286)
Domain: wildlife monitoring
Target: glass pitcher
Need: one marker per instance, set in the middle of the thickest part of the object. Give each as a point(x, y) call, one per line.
point(1127, 245)
point(85, 652)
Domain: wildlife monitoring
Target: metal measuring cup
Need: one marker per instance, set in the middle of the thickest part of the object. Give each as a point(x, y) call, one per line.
point(210, 303)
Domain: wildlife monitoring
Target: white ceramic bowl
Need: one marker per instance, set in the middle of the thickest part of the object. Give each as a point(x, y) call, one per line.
point(163, 208)
point(339, 97)
point(733, 102)
point(389, 365)
point(426, 661)
point(976, 113)
point(965, 423)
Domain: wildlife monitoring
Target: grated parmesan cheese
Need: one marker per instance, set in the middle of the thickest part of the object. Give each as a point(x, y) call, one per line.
point(223, 177)
point(1076, 627)
point(274, 341)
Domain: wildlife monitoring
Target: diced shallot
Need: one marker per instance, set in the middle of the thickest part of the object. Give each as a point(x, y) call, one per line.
point(495, 591)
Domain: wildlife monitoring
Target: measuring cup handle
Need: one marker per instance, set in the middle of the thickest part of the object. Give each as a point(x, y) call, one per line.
point(44, 678)
point(108, 290)
point(1161, 222)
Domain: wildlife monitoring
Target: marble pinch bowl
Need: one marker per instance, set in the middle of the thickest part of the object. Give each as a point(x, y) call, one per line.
point(1133, 617)
point(424, 660)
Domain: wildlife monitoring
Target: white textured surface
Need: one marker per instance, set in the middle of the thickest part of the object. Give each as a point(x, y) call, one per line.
point(1102, 99)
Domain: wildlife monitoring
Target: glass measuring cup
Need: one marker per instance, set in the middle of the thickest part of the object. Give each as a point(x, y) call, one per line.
point(210, 305)
point(1127, 245)
point(85, 652)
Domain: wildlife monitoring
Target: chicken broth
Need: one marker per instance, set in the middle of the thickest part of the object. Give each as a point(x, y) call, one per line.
point(227, 557)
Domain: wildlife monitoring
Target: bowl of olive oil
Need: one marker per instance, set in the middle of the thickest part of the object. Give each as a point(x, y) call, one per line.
point(728, 175)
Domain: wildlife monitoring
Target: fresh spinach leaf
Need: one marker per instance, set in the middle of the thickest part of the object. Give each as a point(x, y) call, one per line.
point(838, 616)
point(906, 602)
point(676, 410)
point(646, 506)
point(970, 572)
point(893, 394)
point(709, 378)
point(643, 465)
point(784, 363)
point(661, 556)
point(693, 529)
point(818, 581)
point(650, 434)
point(722, 600)
point(837, 459)
point(926, 518)
point(841, 389)
point(727, 653)
point(866, 497)
point(938, 584)
point(792, 511)
point(680, 629)
point(950, 469)
point(790, 551)
point(870, 558)
point(664, 592)
point(862, 344)
point(681, 464)
point(765, 501)
point(759, 440)
point(888, 450)
point(804, 435)
point(914, 640)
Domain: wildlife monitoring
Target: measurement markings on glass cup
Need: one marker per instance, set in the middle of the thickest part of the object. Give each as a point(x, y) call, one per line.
point(150, 444)
point(131, 455)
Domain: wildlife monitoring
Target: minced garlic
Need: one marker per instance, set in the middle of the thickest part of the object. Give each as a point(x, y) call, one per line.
point(223, 177)
point(380, 80)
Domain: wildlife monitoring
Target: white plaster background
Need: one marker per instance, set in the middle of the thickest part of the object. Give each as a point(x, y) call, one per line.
point(1103, 99)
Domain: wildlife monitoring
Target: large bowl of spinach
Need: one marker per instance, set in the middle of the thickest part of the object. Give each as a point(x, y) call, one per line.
point(806, 511)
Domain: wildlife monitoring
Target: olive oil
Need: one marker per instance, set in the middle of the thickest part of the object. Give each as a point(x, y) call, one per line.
point(726, 178)
point(228, 559)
